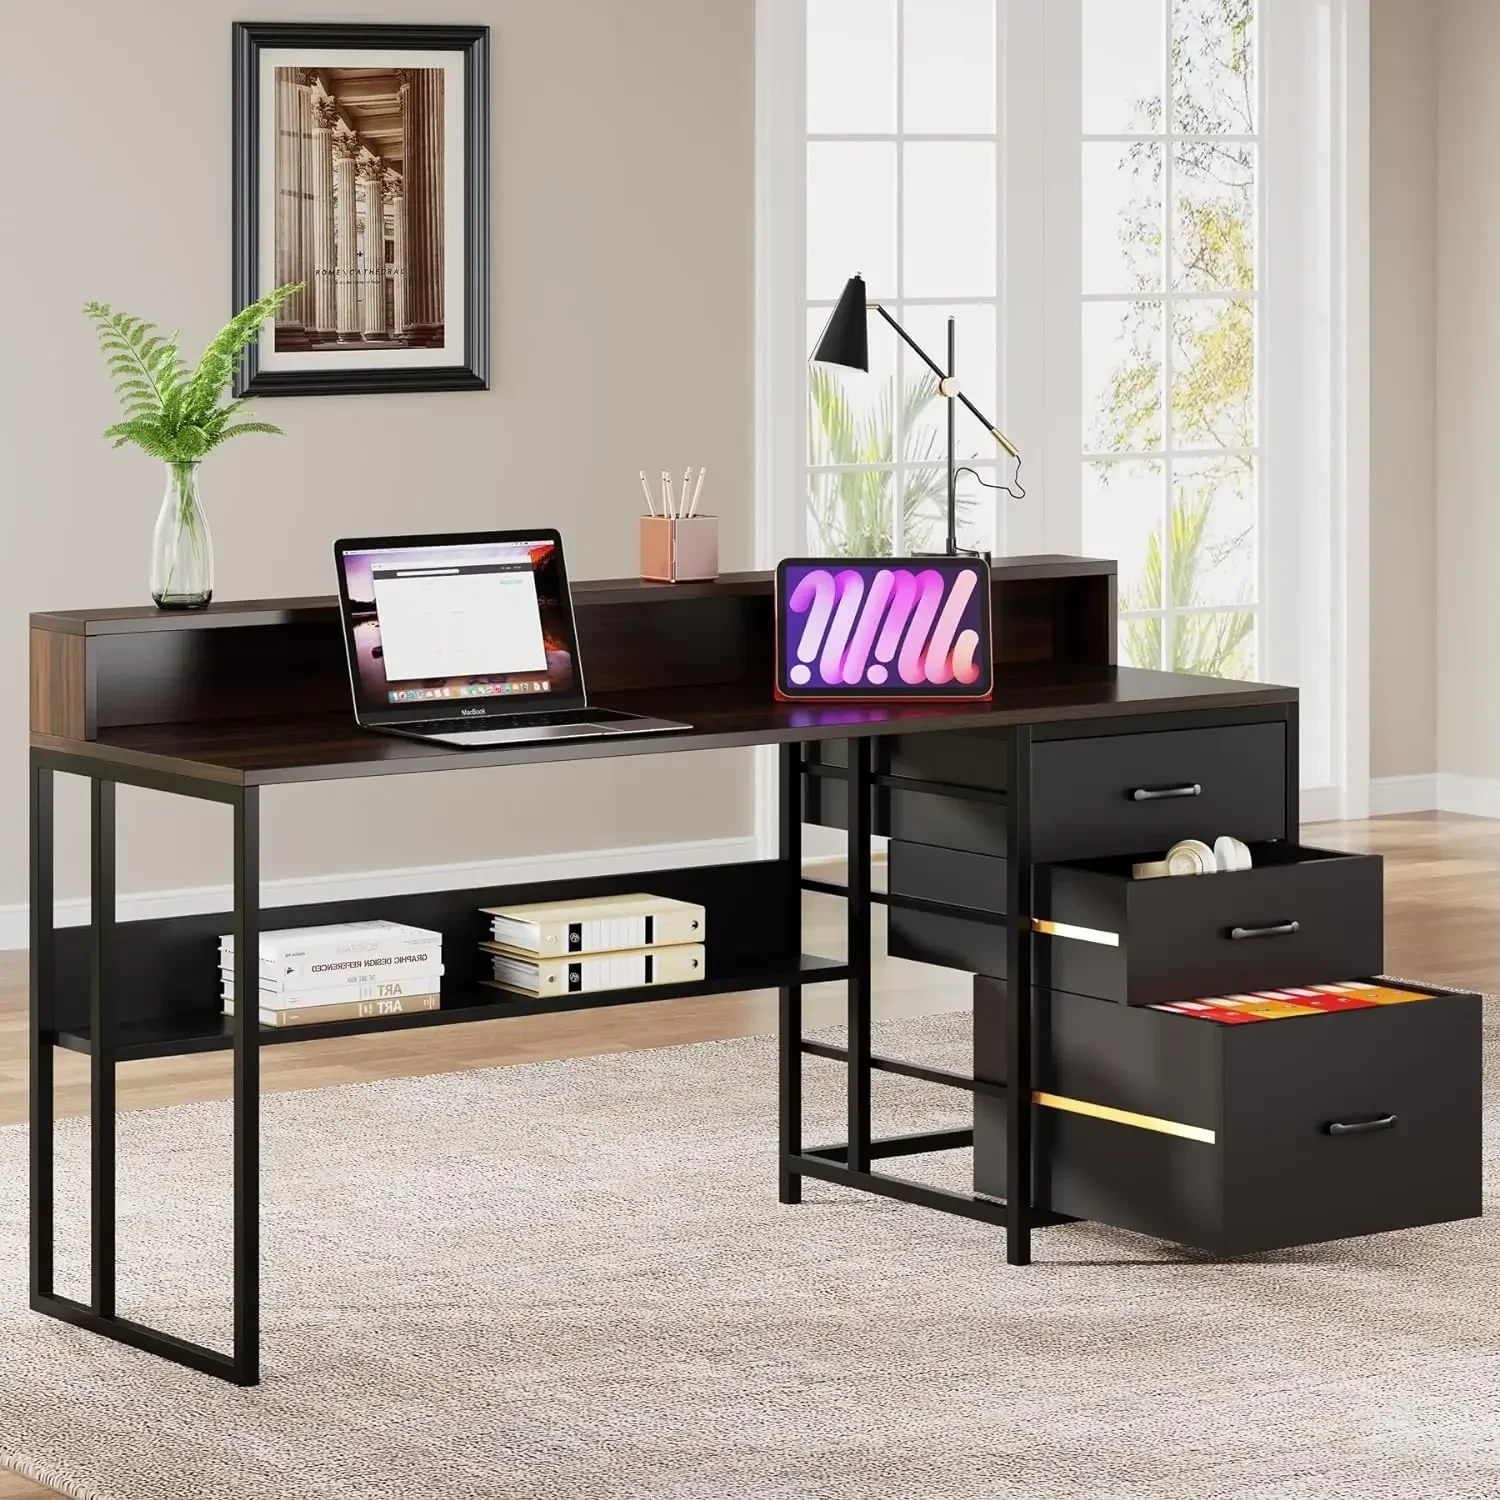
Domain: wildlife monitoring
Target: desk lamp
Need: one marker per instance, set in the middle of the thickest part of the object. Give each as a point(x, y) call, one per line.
point(846, 341)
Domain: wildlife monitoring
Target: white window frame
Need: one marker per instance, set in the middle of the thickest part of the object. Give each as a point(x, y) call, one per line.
point(781, 281)
point(1315, 472)
point(1312, 336)
point(1169, 298)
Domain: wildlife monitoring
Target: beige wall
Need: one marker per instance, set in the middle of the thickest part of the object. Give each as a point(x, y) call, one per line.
point(1468, 385)
point(1435, 345)
point(1403, 386)
point(623, 240)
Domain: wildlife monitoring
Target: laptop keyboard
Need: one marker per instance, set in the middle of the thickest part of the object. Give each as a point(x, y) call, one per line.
point(524, 721)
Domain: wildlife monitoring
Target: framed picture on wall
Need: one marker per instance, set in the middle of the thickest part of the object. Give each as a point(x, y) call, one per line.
point(361, 169)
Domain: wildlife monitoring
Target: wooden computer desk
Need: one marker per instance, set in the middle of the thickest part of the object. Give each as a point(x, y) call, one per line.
point(989, 807)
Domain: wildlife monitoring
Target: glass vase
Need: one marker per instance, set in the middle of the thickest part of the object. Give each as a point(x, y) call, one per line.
point(182, 552)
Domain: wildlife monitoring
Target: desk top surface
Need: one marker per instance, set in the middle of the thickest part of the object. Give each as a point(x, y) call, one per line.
point(322, 747)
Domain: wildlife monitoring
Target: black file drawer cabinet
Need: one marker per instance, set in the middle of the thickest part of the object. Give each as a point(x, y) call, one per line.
point(1218, 1136)
point(1298, 916)
point(1126, 793)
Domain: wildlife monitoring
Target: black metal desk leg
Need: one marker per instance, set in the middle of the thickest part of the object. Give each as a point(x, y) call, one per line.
point(858, 927)
point(789, 1017)
point(247, 1088)
point(98, 1313)
point(102, 1047)
point(43, 998)
point(1018, 1106)
point(1293, 775)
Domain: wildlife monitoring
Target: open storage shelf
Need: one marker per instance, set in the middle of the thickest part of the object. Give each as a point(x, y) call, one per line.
point(164, 978)
point(171, 1037)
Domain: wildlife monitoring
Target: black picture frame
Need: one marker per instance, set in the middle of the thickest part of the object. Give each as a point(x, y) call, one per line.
point(251, 38)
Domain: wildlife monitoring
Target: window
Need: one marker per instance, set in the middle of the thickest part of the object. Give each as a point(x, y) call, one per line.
point(1151, 220)
point(902, 185)
point(1170, 234)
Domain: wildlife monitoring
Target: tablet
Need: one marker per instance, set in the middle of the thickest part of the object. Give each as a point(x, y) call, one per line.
point(883, 628)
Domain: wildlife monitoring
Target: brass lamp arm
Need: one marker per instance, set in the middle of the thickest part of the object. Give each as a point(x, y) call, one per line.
point(942, 376)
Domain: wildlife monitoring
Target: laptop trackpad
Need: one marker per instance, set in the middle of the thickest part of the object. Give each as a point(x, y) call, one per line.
point(519, 735)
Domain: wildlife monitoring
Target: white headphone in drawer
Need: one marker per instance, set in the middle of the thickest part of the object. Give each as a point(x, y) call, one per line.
point(1194, 857)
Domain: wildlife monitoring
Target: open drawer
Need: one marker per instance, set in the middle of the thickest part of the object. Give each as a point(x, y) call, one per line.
point(1236, 1138)
point(1298, 916)
point(1245, 1137)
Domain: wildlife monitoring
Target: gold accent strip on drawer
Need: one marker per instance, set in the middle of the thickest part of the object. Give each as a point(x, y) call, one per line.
point(1082, 934)
point(1125, 1117)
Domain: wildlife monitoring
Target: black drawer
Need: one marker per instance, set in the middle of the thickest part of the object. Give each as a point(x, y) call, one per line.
point(1131, 792)
point(1298, 916)
point(947, 820)
point(969, 761)
point(971, 935)
point(950, 940)
point(825, 801)
point(974, 822)
point(1220, 1136)
point(951, 877)
point(971, 758)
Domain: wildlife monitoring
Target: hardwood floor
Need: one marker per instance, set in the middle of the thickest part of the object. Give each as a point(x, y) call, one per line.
point(1442, 882)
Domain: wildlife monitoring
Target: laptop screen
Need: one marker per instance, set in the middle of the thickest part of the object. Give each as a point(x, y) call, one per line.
point(458, 627)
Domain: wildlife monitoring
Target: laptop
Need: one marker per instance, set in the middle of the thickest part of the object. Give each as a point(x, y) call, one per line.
point(469, 640)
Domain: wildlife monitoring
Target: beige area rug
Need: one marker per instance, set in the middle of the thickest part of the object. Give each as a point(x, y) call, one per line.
point(572, 1281)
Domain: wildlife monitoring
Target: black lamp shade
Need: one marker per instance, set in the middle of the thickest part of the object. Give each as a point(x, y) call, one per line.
point(846, 339)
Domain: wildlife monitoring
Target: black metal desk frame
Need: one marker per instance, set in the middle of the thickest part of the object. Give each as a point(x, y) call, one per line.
point(98, 1314)
point(849, 1162)
point(190, 706)
point(846, 1163)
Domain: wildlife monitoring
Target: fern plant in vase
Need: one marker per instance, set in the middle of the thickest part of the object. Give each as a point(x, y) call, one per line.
point(178, 416)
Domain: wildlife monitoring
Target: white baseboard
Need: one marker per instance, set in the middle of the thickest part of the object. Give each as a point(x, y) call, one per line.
point(1320, 804)
point(1403, 794)
point(1479, 796)
point(1436, 791)
point(306, 890)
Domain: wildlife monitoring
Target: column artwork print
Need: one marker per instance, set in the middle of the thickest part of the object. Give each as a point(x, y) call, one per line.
point(359, 207)
point(362, 174)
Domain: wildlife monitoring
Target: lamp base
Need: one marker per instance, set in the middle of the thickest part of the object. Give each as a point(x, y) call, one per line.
point(958, 552)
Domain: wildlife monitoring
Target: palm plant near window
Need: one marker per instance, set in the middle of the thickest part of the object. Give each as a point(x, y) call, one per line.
point(852, 510)
point(1211, 645)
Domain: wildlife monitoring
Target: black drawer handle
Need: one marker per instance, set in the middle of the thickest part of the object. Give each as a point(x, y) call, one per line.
point(1360, 1127)
point(1271, 929)
point(1161, 793)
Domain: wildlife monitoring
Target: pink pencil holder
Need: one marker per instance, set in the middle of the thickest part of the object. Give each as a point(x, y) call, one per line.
point(679, 551)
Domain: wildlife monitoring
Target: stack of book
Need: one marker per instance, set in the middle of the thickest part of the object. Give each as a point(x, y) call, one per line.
point(346, 971)
point(596, 943)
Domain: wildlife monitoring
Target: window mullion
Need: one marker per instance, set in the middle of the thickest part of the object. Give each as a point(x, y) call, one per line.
point(1168, 313)
point(898, 375)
